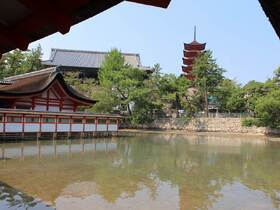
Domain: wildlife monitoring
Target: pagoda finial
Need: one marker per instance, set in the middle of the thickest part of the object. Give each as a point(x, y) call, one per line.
point(194, 33)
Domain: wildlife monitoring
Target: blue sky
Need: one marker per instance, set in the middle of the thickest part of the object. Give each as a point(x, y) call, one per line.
point(238, 32)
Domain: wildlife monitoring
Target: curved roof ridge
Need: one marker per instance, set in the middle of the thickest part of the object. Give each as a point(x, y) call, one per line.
point(33, 73)
point(90, 51)
point(34, 84)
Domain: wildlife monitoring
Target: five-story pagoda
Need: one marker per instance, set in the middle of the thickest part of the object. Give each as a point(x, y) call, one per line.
point(191, 51)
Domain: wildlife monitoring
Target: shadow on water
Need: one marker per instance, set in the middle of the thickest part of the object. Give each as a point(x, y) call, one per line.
point(11, 198)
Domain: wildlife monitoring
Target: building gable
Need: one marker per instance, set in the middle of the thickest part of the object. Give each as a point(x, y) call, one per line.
point(47, 92)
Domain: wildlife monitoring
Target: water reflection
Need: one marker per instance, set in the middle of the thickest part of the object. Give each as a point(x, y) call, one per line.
point(147, 172)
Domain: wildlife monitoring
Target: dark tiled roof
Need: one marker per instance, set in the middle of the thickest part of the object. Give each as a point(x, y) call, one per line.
point(272, 10)
point(25, 21)
point(35, 83)
point(86, 59)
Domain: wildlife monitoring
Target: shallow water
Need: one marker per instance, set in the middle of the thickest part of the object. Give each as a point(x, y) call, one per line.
point(151, 171)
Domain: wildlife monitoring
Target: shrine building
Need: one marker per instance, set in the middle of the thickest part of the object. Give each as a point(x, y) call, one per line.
point(41, 102)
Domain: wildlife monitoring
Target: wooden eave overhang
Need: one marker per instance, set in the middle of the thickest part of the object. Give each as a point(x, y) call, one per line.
point(29, 87)
point(195, 46)
point(25, 21)
point(272, 11)
point(191, 54)
point(188, 61)
point(187, 69)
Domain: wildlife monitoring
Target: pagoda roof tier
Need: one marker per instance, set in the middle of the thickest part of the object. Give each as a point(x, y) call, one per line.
point(194, 46)
point(188, 61)
point(191, 54)
point(187, 69)
point(188, 76)
point(35, 83)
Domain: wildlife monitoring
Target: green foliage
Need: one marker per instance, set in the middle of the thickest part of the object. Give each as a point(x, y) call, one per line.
point(19, 62)
point(133, 91)
point(277, 74)
point(208, 76)
point(230, 96)
point(173, 90)
point(250, 122)
point(126, 89)
point(268, 109)
point(252, 91)
point(86, 86)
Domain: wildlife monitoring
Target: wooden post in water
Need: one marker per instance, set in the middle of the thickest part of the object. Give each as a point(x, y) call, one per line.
point(106, 142)
point(39, 149)
point(55, 152)
point(83, 146)
point(3, 152)
point(68, 135)
point(95, 145)
point(54, 135)
point(70, 146)
point(38, 135)
point(23, 126)
point(22, 151)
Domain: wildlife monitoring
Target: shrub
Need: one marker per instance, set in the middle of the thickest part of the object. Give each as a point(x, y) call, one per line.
point(249, 122)
point(268, 110)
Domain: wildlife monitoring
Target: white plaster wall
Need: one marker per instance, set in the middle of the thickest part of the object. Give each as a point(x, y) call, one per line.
point(48, 128)
point(31, 127)
point(89, 127)
point(67, 110)
point(13, 127)
point(53, 108)
point(101, 127)
point(113, 127)
point(63, 127)
point(77, 127)
point(40, 108)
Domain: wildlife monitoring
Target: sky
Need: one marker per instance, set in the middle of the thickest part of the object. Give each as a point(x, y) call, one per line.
point(238, 32)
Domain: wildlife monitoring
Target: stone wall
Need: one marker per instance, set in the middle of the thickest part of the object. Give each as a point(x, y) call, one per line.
point(225, 125)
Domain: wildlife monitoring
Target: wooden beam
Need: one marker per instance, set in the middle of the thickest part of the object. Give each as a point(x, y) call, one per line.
point(12, 38)
point(51, 12)
point(49, 16)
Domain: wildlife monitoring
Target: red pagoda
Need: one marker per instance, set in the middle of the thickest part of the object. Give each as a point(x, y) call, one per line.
point(191, 51)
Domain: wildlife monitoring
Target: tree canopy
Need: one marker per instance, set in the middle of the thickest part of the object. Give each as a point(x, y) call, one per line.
point(207, 76)
point(19, 62)
point(122, 88)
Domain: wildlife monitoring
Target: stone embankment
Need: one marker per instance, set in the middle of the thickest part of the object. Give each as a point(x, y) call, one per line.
point(225, 125)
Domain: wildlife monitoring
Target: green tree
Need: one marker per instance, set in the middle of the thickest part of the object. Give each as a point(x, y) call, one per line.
point(208, 76)
point(253, 90)
point(124, 87)
point(120, 78)
point(230, 96)
point(268, 109)
point(14, 62)
point(33, 60)
point(19, 62)
point(87, 86)
point(277, 73)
